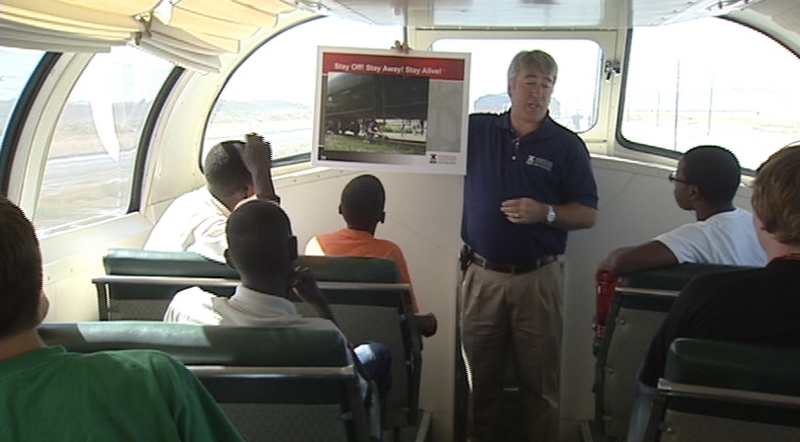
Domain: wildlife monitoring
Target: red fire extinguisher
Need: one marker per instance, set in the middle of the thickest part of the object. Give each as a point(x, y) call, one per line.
point(606, 286)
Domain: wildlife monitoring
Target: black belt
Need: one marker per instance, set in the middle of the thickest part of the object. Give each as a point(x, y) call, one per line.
point(513, 269)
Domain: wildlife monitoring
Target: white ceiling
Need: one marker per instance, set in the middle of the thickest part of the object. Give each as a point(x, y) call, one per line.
point(587, 14)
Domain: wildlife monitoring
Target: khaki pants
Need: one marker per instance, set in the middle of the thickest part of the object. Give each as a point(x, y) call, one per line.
point(523, 311)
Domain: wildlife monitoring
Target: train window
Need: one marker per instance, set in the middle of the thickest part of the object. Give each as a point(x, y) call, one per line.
point(16, 69)
point(87, 177)
point(574, 102)
point(710, 81)
point(272, 92)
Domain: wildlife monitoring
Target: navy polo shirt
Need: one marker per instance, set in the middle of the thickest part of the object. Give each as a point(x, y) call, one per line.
point(550, 165)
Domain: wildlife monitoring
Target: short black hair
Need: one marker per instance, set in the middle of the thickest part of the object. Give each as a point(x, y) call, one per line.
point(258, 234)
point(20, 271)
point(714, 170)
point(363, 200)
point(224, 169)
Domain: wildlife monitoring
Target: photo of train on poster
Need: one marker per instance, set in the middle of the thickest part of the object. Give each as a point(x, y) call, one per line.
point(382, 110)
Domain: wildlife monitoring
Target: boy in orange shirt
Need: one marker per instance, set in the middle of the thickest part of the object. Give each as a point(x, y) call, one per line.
point(362, 207)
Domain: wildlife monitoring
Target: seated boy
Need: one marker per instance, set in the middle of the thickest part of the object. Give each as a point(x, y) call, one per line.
point(362, 207)
point(705, 182)
point(195, 221)
point(262, 248)
point(49, 394)
point(753, 306)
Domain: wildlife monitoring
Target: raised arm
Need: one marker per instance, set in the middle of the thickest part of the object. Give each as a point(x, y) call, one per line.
point(257, 157)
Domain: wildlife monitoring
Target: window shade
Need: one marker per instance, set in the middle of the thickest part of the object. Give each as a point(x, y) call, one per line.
point(190, 33)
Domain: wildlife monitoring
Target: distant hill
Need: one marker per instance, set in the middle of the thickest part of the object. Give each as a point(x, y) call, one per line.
point(229, 110)
point(260, 106)
point(492, 103)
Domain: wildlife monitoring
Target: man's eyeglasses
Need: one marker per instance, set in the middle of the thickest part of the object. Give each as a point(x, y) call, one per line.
point(673, 178)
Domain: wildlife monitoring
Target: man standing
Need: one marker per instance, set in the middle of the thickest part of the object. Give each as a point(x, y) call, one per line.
point(529, 181)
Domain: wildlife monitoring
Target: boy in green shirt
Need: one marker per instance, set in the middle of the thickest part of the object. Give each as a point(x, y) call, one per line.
point(48, 394)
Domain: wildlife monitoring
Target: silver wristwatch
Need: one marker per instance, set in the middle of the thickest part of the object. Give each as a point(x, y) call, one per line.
point(550, 218)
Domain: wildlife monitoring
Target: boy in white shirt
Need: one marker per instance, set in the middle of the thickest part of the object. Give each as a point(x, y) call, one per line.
point(706, 182)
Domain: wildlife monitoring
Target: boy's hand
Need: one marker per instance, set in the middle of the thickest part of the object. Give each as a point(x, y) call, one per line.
point(401, 47)
point(256, 153)
point(305, 286)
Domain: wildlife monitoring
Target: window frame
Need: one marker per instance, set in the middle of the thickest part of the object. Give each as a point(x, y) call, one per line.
point(25, 156)
point(598, 81)
point(279, 162)
point(19, 115)
point(661, 152)
point(608, 41)
point(146, 137)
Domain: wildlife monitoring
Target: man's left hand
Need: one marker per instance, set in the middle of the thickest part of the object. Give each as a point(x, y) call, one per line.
point(524, 211)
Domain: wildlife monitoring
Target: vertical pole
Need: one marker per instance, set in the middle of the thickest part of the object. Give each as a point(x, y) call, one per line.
point(658, 109)
point(677, 99)
point(710, 104)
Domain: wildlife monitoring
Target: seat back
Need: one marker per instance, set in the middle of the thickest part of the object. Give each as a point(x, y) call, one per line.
point(364, 295)
point(728, 392)
point(350, 268)
point(635, 316)
point(275, 384)
point(672, 277)
point(638, 309)
point(369, 305)
point(147, 298)
point(122, 298)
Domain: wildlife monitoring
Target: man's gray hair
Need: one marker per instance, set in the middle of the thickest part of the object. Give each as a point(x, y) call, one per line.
point(536, 59)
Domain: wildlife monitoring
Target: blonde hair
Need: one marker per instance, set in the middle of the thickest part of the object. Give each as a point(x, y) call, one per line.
point(776, 194)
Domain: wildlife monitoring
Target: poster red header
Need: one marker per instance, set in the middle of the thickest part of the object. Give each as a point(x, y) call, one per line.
point(435, 68)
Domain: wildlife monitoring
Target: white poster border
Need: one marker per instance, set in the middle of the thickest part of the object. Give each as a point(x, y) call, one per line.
point(444, 129)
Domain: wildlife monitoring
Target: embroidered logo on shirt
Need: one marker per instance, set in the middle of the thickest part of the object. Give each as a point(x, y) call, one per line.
point(539, 162)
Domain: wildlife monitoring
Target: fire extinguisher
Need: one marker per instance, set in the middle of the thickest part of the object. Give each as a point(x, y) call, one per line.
point(606, 286)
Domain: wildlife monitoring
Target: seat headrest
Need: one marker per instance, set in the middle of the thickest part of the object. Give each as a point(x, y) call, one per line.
point(206, 345)
point(672, 277)
point(126, 261)
point(735, 366)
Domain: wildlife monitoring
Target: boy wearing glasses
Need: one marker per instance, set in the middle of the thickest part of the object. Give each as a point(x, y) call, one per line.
point(706, 182)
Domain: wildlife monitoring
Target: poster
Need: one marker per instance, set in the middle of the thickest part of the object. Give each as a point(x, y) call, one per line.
point(382, 110)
